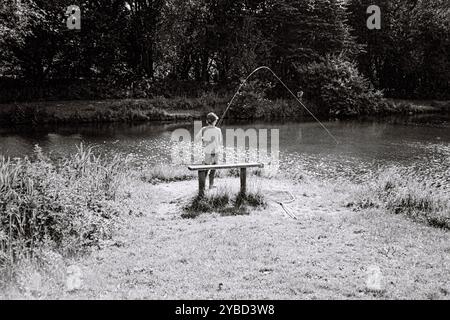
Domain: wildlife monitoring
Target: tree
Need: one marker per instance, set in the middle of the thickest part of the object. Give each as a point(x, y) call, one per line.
point(143, 24)
point(17, 21)
point(409, 56)
point(305, 31)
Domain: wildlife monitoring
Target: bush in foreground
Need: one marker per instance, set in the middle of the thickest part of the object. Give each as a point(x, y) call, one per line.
point(66, 205)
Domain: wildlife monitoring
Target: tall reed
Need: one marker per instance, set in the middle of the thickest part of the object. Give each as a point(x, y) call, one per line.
point(400, 193)
point(66, 204)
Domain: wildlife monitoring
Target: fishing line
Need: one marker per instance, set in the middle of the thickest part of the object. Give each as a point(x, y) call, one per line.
point(295, 97)
point(293, 199)
point(288, 212)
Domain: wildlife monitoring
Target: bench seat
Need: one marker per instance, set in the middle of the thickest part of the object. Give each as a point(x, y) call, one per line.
point(196, 167)
point(203, 169)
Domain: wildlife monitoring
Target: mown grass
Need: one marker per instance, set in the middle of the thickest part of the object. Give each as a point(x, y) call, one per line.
point(64, 206)
point(401, 193)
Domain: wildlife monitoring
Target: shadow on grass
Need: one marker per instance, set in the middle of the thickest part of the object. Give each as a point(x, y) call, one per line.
point(224, 204)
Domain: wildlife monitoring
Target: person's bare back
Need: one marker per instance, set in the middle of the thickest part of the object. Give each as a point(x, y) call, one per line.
point(211, 138)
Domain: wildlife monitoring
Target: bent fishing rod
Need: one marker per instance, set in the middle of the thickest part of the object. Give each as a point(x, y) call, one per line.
point(289, 90)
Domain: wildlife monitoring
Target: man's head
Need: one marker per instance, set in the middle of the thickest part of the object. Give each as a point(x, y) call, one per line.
point(211, 118)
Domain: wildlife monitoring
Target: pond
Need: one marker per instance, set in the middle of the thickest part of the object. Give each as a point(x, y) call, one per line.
point(417, 143)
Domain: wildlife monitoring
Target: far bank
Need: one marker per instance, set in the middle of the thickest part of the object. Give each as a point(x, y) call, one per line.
point(168, 110)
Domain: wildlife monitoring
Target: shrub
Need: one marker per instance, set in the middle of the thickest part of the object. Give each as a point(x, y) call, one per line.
point(67, 204)
point(338, 88)
point(24, 113)
point(400, 193)
point(251, 101)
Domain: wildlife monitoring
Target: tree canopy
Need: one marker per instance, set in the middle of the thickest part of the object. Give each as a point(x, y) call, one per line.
point(221, 41)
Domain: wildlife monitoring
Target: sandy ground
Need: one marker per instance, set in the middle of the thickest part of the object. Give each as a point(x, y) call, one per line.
point(330, 252)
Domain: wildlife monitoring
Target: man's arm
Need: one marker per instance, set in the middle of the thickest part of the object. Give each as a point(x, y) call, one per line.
point(198, 137)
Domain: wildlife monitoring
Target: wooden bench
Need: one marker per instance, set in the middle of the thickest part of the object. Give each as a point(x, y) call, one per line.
point(203, 169)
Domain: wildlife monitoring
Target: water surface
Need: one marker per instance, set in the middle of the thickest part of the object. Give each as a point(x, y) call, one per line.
point(417, 143)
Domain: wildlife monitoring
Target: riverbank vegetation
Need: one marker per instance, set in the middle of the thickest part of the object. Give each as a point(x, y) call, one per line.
point(399, 193)
point(188, 52)
point(62, 205)
point(168, 110)
point(66, 112)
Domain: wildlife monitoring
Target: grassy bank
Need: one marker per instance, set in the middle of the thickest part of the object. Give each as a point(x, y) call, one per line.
point(138, 110)
point(397, 193)
point(149, 236)
point(163, 109)
point(416, 106)
point(127, 110)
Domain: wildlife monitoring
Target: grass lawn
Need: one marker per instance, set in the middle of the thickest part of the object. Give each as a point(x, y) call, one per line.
point(325, 254)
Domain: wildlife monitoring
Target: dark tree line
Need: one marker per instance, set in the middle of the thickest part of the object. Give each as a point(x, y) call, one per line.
point(410, 55)
point(220, 41)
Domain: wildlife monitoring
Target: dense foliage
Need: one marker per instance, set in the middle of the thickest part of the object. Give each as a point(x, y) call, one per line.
point(65, 204)
point(410, 55)
point(140, 46)
point(337, 83)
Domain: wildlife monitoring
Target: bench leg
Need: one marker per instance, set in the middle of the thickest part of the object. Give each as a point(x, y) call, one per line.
point(243, 176)
point(201, 182)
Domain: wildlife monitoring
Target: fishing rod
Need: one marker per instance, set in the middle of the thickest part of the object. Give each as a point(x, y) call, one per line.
point(289, 90)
